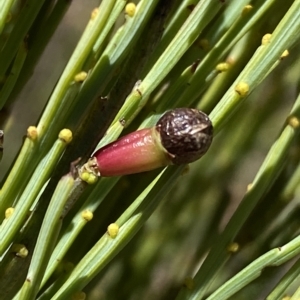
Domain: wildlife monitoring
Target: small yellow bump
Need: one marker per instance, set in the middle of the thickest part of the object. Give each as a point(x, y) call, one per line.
point(87, 215)
point(266, 39)
point(80, 77)
point(130, 9)
point(94, 13)
point(9, 211)
point(284, 54)
point(92, 178)
point(233, 247)
point(84, 176)
point(113, 230)
point(189, 283)
point(88, 176)
point(249, 187)
point(66, 135)
point(293, 122)
point(20, 250)
point(222, 67)
point(79, 296)
point(204, 44)
point(247, 9)
point(242, 89)
point(32, 133)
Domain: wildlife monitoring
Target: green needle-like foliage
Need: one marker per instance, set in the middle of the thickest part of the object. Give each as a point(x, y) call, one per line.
point(224, 227)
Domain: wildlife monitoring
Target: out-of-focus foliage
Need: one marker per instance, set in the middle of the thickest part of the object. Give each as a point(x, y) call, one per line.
point(224, 227)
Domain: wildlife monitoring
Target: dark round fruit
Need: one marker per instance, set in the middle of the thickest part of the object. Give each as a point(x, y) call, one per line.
point(186, 134)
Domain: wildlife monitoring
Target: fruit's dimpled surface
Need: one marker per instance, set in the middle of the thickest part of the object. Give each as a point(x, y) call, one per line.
point(186, 133)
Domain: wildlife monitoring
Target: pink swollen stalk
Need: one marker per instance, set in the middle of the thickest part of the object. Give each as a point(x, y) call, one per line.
point(180, 136)
point(136, 152)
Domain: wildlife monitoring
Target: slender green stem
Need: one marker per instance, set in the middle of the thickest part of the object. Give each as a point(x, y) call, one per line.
point(40, 35)
point(131, 221)
point(262, 181)
point(134, 66)
point(244, 22)
point(26, 162)
point(296, 295)
point(99, 44)
point(283, 37)
point(47, 238)
point(26, 18)
point(13, 184)
point(4, 9)
point(291, 275)
point(38, 179)
point(77, 224)
point(184, 38)
point(13, 74)
point(51, 290)
point(274, 257)
point(174, 24)
point(57, 109)
point(238, 56)
point(118, 48)
point(74, 65)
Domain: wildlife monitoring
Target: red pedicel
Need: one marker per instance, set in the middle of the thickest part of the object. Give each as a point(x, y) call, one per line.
point(180, 136)
point(136, 152)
